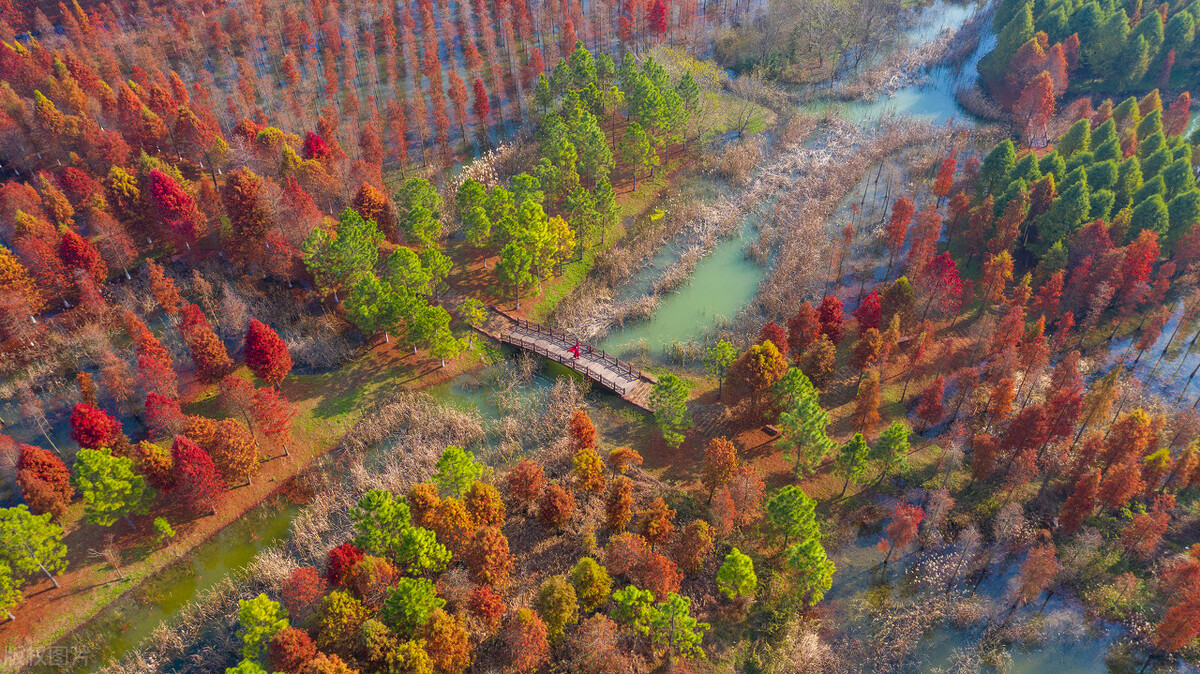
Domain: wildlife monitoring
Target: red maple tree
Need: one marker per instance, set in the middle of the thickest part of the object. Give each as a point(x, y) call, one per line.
point(197, 484)
point(803, 329)
point(45, 481)
point(77, 252)
point(831, 318)
point(267, 355)
point(93, 428)
point(901, 530)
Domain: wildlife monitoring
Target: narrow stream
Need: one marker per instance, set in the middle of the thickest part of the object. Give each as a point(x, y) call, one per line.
point(726, 280)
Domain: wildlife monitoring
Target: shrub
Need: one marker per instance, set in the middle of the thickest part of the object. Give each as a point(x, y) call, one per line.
point(162, 531)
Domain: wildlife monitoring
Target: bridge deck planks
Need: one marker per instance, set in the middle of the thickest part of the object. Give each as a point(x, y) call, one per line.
point(611, 373)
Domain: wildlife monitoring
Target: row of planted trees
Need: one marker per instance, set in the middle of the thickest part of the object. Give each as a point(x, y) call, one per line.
point(187, 460)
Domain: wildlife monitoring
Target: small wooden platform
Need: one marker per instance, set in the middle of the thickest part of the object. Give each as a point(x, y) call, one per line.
point(606, 370)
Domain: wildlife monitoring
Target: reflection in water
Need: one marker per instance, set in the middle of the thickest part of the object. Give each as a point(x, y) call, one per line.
point(125, 623)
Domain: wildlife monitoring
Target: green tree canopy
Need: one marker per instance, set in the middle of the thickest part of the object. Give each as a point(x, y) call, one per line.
point(513, 268)
point(30, 543)
point(736, 577)
point(673, 628)
point(804, 423)
point(409, 604)
point(852, 460)
point(10, 590)
point(260, 619)
point(335, 257)
point(793, 514)
point(379, 520)
point(668, 400)
point(110, 487)
point(456, 470)
point(891, 450)
point(418, 552)
point(717, 360)
point(813, 568)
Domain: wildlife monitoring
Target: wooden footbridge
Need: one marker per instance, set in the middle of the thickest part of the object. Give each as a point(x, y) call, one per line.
point(605, 369)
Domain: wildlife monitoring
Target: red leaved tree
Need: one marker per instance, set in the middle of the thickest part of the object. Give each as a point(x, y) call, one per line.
point(341, 562)
point(901, 530)
point(930, 409)
point(1181, 624)
point(581, 431)
point(526, 481)
point(897, 229)
point(482, 106)
point(176, 209)
point(556, 506)
point(1037, 573)
point(290, 648)
point(93, 428)
point(1145, 531)
point(301, 593)
point(831, 318)
point(803, 329)
point(45, 481)
point(488, 558)
point(1035, 107)
point(487, 605)
point(526, 641)
point(945, 177)
point(197, 484)
point(869, 312)
point(1080, 504)
point(267, 355)
point(273, 415)
point(163, 415)
point(657, 17)
point(941, 284)
point(77, 252)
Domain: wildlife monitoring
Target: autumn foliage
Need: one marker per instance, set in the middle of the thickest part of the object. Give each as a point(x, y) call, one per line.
point(266, 354)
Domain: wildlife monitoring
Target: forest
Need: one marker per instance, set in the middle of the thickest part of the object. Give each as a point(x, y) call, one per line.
point(612, 337)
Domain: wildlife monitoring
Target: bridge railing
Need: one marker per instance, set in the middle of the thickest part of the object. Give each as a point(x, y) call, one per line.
point(601, 354)
point(598, 376)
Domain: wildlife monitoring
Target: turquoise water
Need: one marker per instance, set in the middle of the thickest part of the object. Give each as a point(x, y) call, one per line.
point(722, 283)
